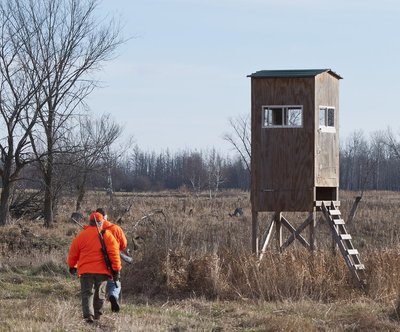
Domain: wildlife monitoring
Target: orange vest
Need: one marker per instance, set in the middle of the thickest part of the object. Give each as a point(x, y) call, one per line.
point(85, 252)
point(118, 234)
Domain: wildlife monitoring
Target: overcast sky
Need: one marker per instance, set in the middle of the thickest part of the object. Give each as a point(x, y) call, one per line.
point(183, 73)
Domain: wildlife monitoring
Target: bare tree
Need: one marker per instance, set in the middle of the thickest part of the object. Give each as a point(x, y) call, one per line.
point(359, 165)
point(18, 110)
point(392, 143)
point(195, 171)
point(93, 146)
point(379, 152)
point(370, 163)
point(214, 167)
point(64, 44)
point(240, 137)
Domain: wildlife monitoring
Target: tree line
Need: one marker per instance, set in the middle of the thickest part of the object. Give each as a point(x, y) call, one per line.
point(370, 163)
point(195, 171)
point(367, 162)
point(135, 170)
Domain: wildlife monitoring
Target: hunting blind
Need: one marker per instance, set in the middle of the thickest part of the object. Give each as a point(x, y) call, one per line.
point(295, 157)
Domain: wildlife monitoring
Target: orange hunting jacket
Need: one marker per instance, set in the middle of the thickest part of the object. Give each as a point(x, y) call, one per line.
point(118, 234)
point(85, 252)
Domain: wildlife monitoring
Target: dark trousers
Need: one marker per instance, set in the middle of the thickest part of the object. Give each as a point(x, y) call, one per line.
point(93, 293)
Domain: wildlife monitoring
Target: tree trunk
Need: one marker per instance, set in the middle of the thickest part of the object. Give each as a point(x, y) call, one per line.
point(7, 187)
point(48, 207)
point(48, 193)
point(5, 203)
point(81, 191)
point(79, 199)
point(48, 168)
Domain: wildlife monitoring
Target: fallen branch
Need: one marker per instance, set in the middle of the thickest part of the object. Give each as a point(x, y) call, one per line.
point(353, 210)
point(119, 220)
point(137, 239)
point(160, 211)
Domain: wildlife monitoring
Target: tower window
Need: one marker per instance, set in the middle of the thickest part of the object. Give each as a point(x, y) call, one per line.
point(282, 116)
point(326, 116)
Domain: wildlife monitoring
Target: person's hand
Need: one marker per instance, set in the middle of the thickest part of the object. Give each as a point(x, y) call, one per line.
point(116, 276)
point(73, 270)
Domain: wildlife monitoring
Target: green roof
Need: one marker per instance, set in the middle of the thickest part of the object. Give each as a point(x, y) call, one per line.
point(292, 73)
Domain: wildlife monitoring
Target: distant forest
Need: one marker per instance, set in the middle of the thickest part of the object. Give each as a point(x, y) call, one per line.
point(365, 164)
point(192, 170)
point(371, 163)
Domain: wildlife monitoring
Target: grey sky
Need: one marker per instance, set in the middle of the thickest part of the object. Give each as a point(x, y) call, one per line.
point(183, 74)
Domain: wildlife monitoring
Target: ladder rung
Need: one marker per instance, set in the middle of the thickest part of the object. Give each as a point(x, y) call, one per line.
point(327, 203)
point(359, 267)
point(345, 236)
point(334, 212)
point(352, 251)
point(338, 221)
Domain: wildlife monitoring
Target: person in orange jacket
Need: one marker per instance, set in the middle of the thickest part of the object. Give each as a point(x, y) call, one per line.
point(86, 259)
point(113, 291)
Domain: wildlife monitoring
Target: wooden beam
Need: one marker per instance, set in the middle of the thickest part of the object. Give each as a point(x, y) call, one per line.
point(267, 238)
point(263, 238)
point(327, 203)
point(296, 233)
point(278, 222)
point(353, 210)
point(254, 233)
point(313, 225)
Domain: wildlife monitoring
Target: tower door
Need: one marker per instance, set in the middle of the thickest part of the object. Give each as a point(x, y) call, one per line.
point(327, 172)
point(327, 150)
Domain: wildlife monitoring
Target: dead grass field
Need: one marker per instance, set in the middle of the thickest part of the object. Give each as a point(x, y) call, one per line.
point(193, 270)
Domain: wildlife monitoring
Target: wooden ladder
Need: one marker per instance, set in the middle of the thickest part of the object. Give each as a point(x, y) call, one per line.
point(343, 241)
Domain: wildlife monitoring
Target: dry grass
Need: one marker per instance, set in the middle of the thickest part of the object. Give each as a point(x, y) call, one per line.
point(193, 270)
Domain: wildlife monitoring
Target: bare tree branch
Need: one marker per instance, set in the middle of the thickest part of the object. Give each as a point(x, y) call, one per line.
point(240, 138)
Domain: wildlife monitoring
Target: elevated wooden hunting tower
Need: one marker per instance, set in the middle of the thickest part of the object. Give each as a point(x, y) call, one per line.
point(295, 155)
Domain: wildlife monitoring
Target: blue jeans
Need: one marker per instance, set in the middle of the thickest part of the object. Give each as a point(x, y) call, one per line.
point(112, 290)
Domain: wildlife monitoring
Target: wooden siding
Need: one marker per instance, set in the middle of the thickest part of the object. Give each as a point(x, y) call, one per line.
point(283, 158)
point(327, 143)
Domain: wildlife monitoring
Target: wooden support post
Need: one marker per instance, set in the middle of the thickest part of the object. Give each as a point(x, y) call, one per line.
point(278, 224)
point(267, 238)
point(353, 210)
point(254, 233)
point(313, 224)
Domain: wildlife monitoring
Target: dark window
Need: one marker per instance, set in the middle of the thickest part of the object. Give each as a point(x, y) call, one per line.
point(282, 116)
point(326, 116)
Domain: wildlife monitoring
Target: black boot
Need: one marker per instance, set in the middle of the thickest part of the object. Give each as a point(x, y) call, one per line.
point(114, 304)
